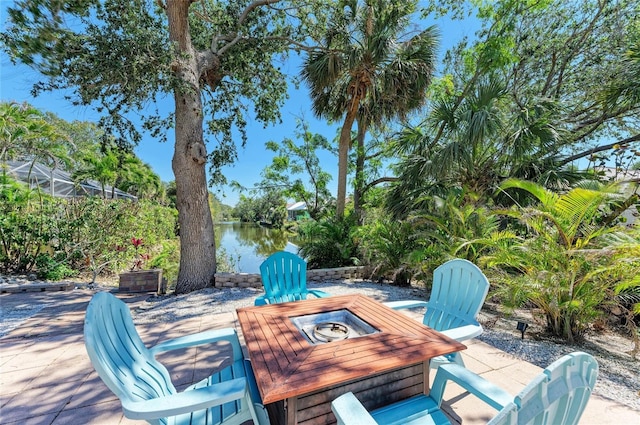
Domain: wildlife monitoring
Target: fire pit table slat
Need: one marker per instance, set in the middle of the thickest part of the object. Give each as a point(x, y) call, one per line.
point(275, 348)
point(378, 348)
point(381, 389)
point(289, 367)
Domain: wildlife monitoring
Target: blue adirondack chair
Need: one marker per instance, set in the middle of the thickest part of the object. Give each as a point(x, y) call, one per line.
point(143, 385)
point(557, 396)
point(457, 294)
point(284, 277)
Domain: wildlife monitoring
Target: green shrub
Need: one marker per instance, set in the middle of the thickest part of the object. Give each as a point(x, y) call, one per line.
point(565, 259)
point(329, 242)
point(388, 245)
point(56, 236)
point(27, 225)
point(561, 285)
point(225, 262)
point(168, 259)
point(50, 269)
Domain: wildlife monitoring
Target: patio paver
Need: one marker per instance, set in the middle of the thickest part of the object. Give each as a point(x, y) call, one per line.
point(46, 377)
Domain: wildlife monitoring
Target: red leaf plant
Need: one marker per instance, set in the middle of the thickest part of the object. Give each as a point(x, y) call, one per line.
point(140, 258)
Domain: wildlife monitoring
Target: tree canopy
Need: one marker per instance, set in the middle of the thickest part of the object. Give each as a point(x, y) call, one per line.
point(544, 84)
point(297, 172)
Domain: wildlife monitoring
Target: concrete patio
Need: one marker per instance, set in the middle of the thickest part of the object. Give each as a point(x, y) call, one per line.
point(46, 377)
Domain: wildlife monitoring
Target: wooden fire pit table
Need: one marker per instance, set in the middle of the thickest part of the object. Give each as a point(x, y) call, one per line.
point(298, 379)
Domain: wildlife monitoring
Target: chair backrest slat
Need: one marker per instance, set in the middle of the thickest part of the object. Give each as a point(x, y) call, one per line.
point(558, 396)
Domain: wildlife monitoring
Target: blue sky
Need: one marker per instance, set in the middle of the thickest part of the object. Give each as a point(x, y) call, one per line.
point(16, 82)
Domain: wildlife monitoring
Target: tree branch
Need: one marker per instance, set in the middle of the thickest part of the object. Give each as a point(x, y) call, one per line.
point(374, 155)
point(579, 40)
point(378, 181)
point(235, 38)
point(585, 128)
point(600, 149)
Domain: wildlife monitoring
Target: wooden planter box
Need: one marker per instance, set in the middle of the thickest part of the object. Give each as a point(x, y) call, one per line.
point(141, 281)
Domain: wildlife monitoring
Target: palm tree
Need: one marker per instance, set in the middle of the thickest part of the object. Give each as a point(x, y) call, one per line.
point(26, 133)
point(101, 167)
point(471, 144)
point(138, 178)
point(367, 70)
point(565, 260)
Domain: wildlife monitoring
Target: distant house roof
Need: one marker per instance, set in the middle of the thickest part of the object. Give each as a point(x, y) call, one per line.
point(629, 180)
point(57, 182)
point(620, 175)
point(298, 206)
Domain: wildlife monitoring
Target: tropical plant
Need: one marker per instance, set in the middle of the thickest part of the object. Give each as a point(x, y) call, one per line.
point(542, 85)
point(578, 57)
point(103, 168)
point(91, 230)
point(58, 237)
point(137, 178)
point(387, 245)
point(368, 70)
point(557, 265)
point(26, 133)
point(453, 227)
point(27, 225)
point(623, 274)
point(329, 242)
point(115, 167)
point(471, 144)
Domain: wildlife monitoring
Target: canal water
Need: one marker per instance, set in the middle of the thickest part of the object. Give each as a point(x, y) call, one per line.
point(248, 245)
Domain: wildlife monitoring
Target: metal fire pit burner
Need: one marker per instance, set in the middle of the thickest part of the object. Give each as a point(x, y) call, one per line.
point(322, 328)
point(331, 331)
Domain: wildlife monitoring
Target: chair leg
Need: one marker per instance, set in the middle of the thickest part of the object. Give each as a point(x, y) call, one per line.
point(261, 415)
point(457, 358)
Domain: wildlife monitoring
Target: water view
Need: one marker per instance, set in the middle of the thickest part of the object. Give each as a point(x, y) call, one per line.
point(248, 244)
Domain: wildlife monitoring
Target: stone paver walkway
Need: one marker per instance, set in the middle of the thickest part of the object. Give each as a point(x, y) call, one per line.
point(46, 377)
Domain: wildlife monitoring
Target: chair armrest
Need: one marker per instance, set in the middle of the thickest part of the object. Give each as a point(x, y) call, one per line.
point(401, 305)
point(200, 338)
point(318, 293)
point(486, 391)
point(463, 333)
point(187, 401)
point(348, 410)
point(260, 300)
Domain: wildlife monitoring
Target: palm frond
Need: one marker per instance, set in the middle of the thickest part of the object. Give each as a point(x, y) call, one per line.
point(543, 195)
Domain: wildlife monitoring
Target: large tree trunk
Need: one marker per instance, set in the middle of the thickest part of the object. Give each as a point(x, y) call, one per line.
point(197, 243)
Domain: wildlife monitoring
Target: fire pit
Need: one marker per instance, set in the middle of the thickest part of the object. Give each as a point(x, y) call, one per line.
point(384, 357)
point(330, 331)
point(332, 326)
